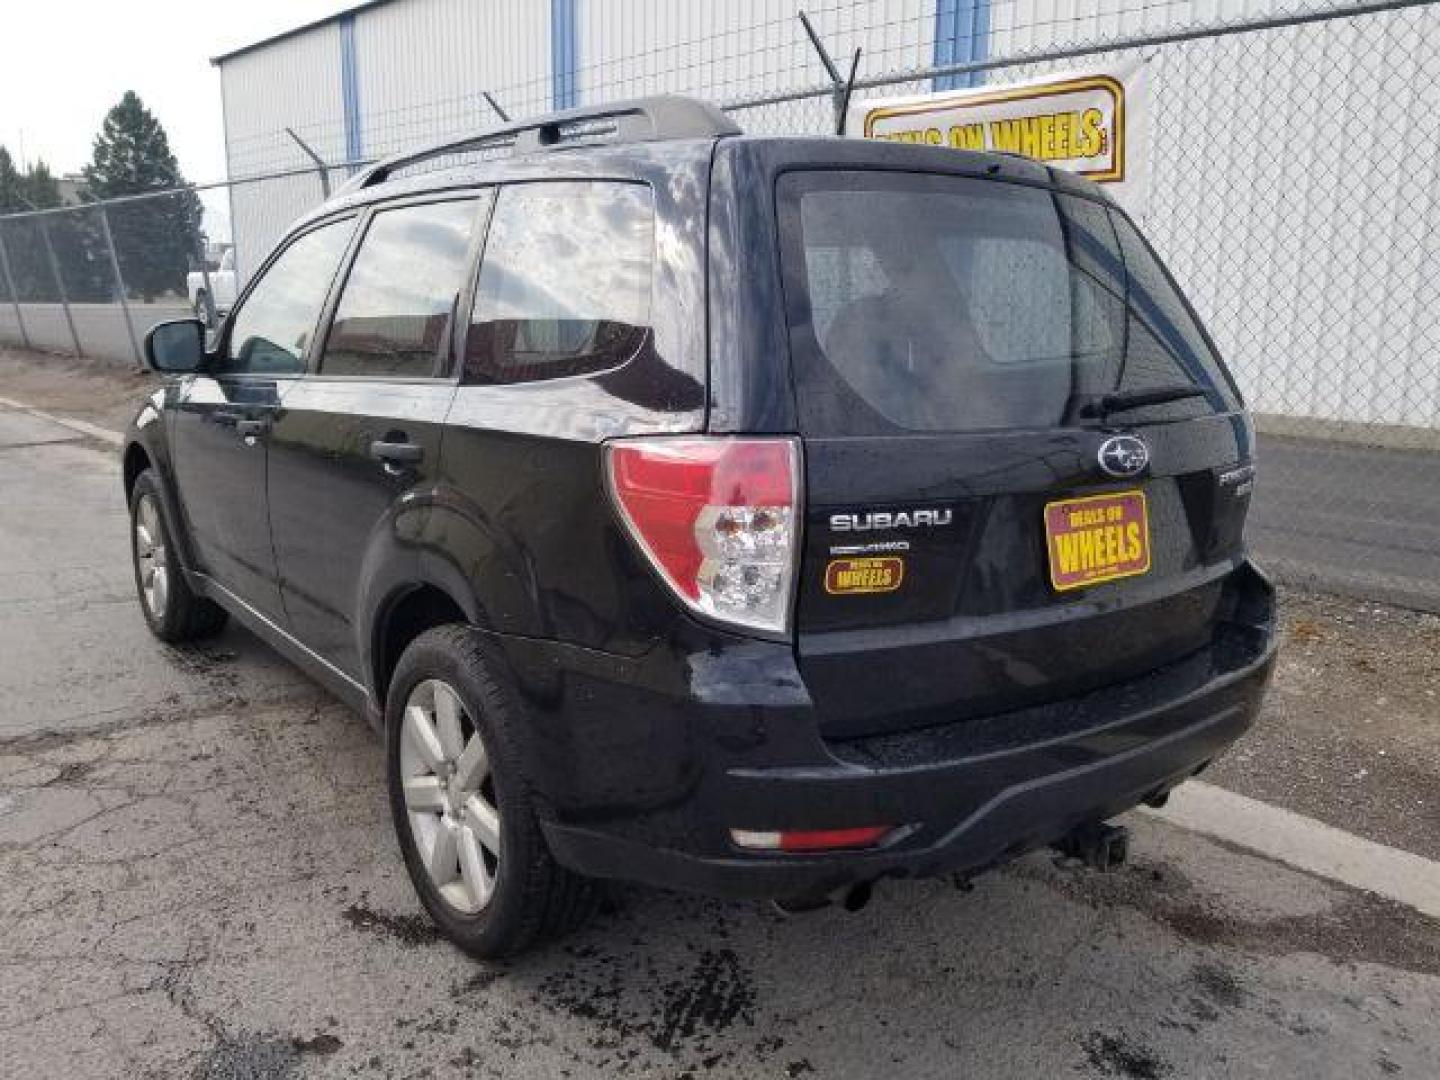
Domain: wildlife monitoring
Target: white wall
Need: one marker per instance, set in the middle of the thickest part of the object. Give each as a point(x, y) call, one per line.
point(1294, 187)
point(1294, 193)
point(742, 47)
point(423, 63)
point(296, 83)
point(1024, 25)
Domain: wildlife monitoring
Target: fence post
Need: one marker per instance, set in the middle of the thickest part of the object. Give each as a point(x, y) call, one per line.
point(838, 94)
point(842, 107)
point(14, 295)
point(319, 164)
point(60, 285)
point(119, 284)
point(504, 116)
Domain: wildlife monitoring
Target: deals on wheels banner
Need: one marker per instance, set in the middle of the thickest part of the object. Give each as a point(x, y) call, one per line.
point(1090, 122)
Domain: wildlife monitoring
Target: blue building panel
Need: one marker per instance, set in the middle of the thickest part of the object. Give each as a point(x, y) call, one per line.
point(350, 89)
point(564, 58)
point(962, 36)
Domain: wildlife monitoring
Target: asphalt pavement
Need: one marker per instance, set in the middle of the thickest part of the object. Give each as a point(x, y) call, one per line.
point(198, 879)
point(1357, 519)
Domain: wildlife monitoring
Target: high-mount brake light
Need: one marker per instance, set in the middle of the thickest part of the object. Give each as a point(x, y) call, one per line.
point(718, 517)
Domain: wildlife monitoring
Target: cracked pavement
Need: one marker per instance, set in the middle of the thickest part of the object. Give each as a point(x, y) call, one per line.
point(198, 879)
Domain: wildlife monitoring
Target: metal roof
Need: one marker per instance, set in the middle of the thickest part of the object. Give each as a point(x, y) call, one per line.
point(296, 31)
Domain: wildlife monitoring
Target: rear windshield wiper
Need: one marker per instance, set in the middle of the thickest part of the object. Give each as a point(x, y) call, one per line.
point(1124, 400)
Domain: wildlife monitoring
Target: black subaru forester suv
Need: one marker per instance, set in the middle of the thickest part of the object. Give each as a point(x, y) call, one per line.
point(758, 516)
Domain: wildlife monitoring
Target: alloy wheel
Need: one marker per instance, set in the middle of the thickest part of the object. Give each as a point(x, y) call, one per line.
point(151, 558)
point(450, 796)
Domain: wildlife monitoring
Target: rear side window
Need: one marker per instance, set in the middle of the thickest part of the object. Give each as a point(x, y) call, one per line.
point(270, 333)
point(933, 303)
point(397, 310)
point(565, 283)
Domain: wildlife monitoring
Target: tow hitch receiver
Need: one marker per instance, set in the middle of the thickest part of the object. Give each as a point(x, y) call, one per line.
point(1098, 844)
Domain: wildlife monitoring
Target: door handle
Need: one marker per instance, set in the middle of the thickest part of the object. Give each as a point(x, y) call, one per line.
point(250, 429)
point(396, 453)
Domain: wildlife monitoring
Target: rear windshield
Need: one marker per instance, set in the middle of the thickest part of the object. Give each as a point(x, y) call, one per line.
point(934, 303)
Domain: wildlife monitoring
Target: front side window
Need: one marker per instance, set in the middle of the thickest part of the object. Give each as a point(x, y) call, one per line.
point(271, 332)
point(565, 283)
point(397, 310)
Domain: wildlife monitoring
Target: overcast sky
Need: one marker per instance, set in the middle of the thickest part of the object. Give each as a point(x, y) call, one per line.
point(64, 63)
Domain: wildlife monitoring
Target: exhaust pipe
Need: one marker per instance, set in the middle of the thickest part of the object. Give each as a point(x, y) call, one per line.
point(1098, 844)
point(858, 896)
point(851, 899)
point(803, 904)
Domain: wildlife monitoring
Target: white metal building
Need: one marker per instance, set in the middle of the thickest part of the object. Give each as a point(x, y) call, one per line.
point(1288, 195)
point(389, 74)
point(393, 73)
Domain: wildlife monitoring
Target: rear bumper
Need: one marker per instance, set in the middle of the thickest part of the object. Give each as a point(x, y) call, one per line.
point(961, 814)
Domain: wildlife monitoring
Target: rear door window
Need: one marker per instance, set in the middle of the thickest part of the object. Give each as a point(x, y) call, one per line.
point(397, 310)
point(932, 303)
point(566, 281)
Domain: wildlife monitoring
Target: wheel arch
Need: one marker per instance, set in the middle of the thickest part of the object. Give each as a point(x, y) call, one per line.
point(136, 460)
point(147, 450)
point(408, 612)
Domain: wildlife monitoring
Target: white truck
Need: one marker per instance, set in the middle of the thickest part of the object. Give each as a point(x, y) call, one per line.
point(219, 289)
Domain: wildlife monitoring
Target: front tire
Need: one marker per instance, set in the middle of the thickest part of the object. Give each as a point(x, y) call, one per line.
point(172, 611)
point(463, 811)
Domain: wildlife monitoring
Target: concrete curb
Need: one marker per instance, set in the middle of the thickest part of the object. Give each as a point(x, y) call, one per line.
point(1306, 844)
point(93, 431)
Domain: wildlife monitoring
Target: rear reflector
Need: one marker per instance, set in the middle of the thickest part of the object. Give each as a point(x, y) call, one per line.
point(812, 840)
point(717, 517)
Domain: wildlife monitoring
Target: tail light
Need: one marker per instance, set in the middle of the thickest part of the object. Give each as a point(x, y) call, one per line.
point(865, 836)
point(718, 518)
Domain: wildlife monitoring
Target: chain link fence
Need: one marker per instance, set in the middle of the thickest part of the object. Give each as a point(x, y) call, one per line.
point(1294, 191)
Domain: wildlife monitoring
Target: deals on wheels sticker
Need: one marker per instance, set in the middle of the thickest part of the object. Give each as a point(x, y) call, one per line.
point(843, 576)
point(1097, 538)
point(1087, 122)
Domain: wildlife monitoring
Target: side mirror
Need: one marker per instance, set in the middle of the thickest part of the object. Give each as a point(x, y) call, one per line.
point(176, 347)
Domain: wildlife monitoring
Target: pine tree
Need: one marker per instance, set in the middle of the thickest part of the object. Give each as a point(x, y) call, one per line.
point(30, 268)
point(42, 190)
point(12, 185)
point(34, 189)
point(75, 237)
point(155, 239)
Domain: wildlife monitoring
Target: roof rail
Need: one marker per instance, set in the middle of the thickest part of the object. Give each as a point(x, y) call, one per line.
point(648, 119)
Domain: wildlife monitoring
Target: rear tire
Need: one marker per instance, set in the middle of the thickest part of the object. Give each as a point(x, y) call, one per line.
point(173, 612)
point(464, 813)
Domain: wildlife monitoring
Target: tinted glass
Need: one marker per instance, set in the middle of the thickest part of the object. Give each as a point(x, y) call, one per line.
point(398, 306)
point(565, 283)
point(270, 333)
point(1165, 345)
point(927, 303)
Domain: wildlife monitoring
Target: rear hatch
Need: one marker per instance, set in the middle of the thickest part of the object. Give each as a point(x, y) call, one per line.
point(1026, 468)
